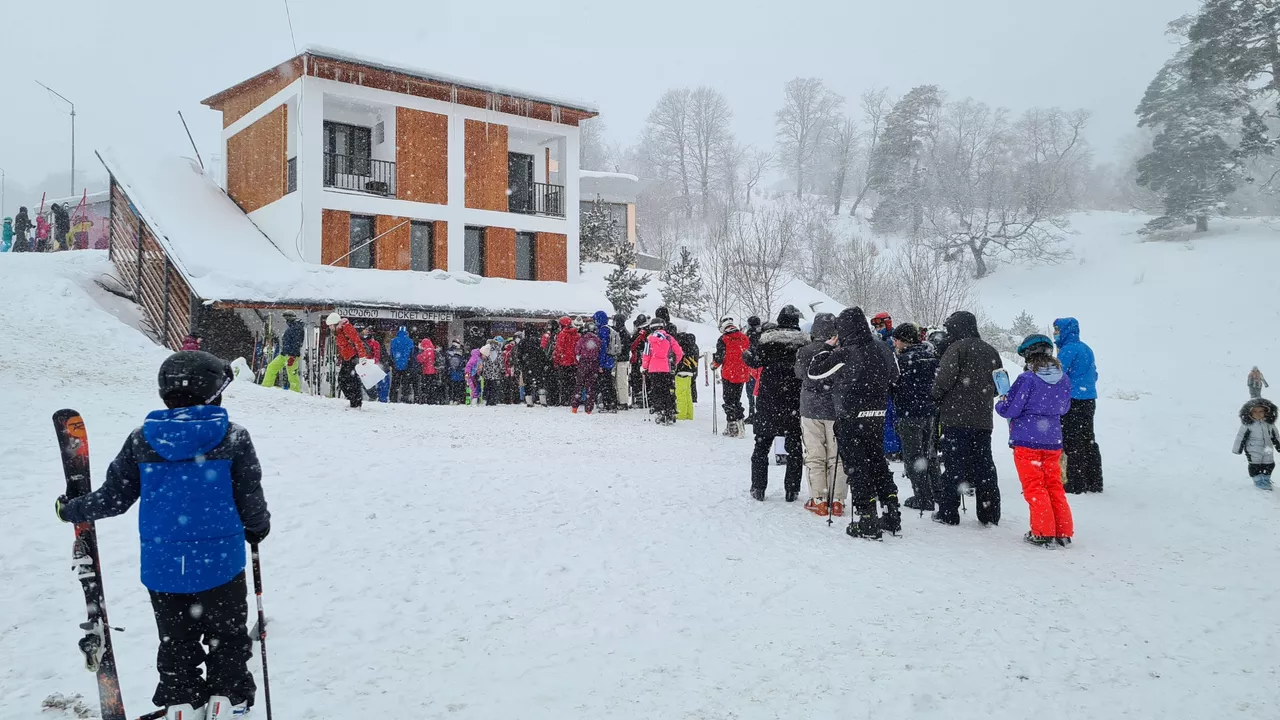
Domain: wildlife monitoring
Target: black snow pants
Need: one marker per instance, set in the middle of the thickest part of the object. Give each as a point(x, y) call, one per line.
point(732, 401)
point(1084, 459)
point(762, 456)
point(860, 443)
point(662, 395)
point(349, 382)
point(187, 624)
point(966, 460)
point(607, 390)
point(919, 455)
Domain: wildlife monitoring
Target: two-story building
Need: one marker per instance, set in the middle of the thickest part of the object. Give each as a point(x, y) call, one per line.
point(389, 193)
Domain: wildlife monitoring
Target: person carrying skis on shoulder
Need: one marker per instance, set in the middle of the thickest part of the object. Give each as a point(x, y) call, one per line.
point(917, 424)
point(861, 369)
point(1034, 407)
point(660, 358)
point(733, 374)
point(290, 351)
point(200, 485)
point(778, 408)
point(1083, 458)
point(818, 425)
point(1256, 440)
point(351, 350)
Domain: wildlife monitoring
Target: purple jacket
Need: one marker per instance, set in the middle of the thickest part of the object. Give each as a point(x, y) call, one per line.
point(1034, 407)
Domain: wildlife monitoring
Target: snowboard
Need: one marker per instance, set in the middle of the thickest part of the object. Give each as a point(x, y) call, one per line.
point(96, 643)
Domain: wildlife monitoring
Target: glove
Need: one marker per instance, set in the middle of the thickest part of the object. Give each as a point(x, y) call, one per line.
point(291, 361)
point(58, 505)
point(256, 537)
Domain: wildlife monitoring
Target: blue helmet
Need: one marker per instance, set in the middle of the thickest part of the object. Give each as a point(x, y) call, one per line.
point(1036, 345)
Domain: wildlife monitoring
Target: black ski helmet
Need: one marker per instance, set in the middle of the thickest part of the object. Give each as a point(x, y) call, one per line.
point(193, 377)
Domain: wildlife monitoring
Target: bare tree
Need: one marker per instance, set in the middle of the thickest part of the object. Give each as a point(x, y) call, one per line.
point(861, 276)
point(716, 260)
point(667, 146)
point(757, 164)
point(594, 151)
point(709, 136)
point(761, 246)
point(807, 114)
point(732, 169)
point(876, 105)
point(842, 149)
point(815, 257)
point(928, 287)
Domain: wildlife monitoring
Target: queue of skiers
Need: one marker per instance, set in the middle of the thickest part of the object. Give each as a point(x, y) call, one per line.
point(50, 234)
point(833, 394)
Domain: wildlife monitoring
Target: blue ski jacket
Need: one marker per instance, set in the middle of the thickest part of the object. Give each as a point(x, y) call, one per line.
point(607, 361)
point(1076, 358)
point(291, 341)
point(200, 486)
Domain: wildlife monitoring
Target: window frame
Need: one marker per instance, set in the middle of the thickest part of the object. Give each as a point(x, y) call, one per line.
point(532, 240)
point(430, 246)
point(371, 248)
point(481, 249)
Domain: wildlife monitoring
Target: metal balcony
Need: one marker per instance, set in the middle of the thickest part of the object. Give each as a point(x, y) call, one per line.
point(362, 174)
point(538, 199)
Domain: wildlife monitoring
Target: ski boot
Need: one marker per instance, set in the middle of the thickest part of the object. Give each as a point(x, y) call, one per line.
point(816, 507)
point(866, 526)
point(837, 508)
point(758, 493)
point(916, 503)
point(184, 712)
point(1063, 541)
point(1038, 541)
point(221, 708)
point(891, 521)
point(946, 518)
point(792, 494)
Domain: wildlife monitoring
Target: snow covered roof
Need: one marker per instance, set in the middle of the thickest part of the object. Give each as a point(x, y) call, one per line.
point(609, 186)
point(224, 257)
point(93, 199)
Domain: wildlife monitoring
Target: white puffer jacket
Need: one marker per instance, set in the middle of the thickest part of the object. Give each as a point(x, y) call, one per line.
point(1256, 441)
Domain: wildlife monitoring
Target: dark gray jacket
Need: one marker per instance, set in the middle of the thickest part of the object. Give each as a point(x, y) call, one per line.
point(816, 400)
point(964, 389)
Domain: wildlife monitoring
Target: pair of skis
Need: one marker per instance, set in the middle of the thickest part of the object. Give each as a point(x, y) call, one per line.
point(99, 657)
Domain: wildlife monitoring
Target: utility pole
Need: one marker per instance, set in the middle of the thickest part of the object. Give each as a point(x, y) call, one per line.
point(73, 132)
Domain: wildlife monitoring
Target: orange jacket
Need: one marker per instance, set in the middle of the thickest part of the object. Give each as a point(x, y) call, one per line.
point(348, 341)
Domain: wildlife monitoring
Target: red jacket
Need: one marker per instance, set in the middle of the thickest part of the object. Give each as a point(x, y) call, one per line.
point(348, 342)
point(638, 344)
point(375, 350)
point(728, 357)
point(566, 352)
point(427, 358)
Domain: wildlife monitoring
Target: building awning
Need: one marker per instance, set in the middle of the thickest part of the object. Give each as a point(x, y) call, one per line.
point(229, 262)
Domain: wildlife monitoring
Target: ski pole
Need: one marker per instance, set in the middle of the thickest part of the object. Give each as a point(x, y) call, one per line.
point(262, 626)
point(831, 490)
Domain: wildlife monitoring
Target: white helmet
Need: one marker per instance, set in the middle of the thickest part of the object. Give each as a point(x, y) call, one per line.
point(333, 319)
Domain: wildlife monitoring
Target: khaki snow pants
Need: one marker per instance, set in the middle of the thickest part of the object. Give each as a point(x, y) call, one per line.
point(820, 457)
point(622, 382)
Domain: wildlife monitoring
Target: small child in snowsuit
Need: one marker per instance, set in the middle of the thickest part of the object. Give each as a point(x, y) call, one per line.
point(197, 477)
point(1256, 440)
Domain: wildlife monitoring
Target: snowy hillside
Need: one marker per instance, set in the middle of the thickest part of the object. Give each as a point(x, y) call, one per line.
point(523, 563)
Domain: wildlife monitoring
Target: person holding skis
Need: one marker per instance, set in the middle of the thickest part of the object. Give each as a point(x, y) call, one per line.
point(288, 357)
point(1254, 381)
point(1257, 438)
point(1034, 407)
point(733, 372)
point(1084, 459)
point(200, 485)
point(778, 409)
point(351, 350)
point(861, 369)
point(588, 368)
point(662, 355)
point(818, 425)
point(963, 393)
point(401, 357)
point(916, 420)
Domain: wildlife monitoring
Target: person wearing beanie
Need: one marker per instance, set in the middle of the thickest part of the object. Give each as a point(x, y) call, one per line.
point(564, 358)
point(916, 421)
point(963, 393)
point(861, 370)
point(1034, 407)
point(351, 350)
point(818, 426)
point(664, 315)
point(774, 355)
point(734, 373)
point(661, 357)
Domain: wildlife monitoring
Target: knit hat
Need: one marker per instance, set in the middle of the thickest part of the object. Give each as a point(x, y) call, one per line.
point(333, 319)
point(908, 333)
point(657, 324)
point(565, 321)
point(753, 321)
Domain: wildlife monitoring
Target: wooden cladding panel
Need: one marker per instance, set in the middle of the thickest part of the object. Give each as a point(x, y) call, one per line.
point(486, 166)
point(243, 98)
point(500, 252)
point(552, 257)
point(125, 229)
point(395, 248)
point(422, 156)
point(440, 239)
point(335, 236)
point(256, 162)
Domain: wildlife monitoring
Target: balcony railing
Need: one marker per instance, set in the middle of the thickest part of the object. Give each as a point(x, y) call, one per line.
point(362, 174)
point(538, 199)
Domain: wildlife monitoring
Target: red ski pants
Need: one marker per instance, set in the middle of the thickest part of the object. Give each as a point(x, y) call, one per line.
point(1041, 475)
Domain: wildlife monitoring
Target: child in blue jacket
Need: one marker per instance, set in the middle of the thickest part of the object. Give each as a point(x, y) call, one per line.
point(199, 483)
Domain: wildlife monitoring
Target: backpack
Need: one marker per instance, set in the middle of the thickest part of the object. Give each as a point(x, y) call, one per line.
point(615, 343)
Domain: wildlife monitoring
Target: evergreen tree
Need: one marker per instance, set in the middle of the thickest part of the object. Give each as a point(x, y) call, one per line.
point(896, 171)
point(1191, 166)
point(598, 234)
point(624, 286)
point(682, 287)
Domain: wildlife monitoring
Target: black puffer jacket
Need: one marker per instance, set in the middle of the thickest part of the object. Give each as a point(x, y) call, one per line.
point(861, 369)
point(778, 402)
point(919, 367)
point(964, 388)
point(816, 399)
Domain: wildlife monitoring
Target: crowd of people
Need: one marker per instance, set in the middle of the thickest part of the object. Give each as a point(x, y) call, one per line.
point(21, 234)
point(834, 393)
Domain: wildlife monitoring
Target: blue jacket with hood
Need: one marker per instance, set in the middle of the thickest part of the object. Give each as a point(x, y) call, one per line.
point(1076, 358)
point(200, 486)
point(401, 349)
point(291, 341)
point(607, 361)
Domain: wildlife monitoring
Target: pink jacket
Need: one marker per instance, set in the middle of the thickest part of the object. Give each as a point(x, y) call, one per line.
point(661, 353)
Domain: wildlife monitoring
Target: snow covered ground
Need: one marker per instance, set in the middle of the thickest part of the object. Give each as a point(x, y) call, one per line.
point(461, 562)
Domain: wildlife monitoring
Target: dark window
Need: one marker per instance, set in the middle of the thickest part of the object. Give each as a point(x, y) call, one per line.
point(350, 149)
point(520, 182)
point(362, 254)
point(421, 246)
point(526, 255)
point(291, 175)
point(473, 257)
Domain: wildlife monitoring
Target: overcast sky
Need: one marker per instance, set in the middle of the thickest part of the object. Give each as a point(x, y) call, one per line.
point(130, 65)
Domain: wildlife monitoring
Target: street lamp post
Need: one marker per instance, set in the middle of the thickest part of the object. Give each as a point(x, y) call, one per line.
point(73, 132)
